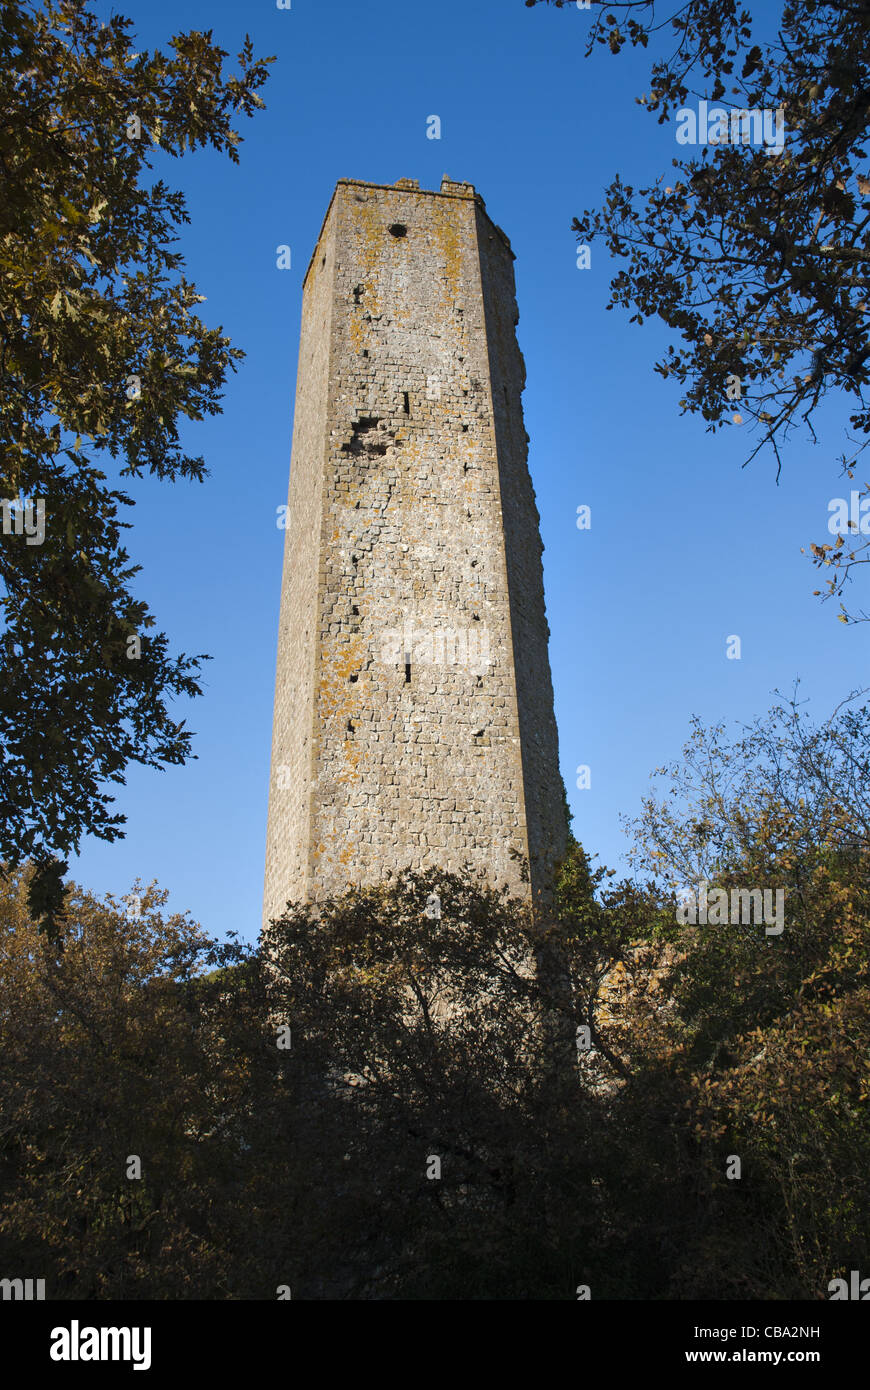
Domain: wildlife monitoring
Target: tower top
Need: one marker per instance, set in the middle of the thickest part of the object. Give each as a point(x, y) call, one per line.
point(450, 188)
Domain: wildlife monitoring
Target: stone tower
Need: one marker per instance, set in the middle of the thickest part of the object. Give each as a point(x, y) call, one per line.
point(414, 721)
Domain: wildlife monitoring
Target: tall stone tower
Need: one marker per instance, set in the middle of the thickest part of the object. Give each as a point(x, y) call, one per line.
point(414, 721)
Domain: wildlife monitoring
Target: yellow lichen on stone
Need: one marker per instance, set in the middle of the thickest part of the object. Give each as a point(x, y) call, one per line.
point(448, 236)
point(370, 234)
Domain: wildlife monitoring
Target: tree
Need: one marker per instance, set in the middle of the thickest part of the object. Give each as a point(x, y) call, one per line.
point(758, 257)
point(473, 1165)
point(301, 1159)
point(417, 999)
point(430, 1033)
point(370, 1109)
point(769, 1036)
point(101, 355)
point(131, 1058)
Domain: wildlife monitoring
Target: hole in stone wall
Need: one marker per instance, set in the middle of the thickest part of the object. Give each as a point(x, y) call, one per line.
point(354, 679)
point(358, 444)
point(407, 668)
point(398, 229)
point(323, 263)
point(358, 292)
point(354, 610)
point(365, 352)
point(350, 728)
point(465, 429)
point(407, 402)
point(479, 682)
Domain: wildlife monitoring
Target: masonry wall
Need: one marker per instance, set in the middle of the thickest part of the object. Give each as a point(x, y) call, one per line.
point(539, 741)
point(413, 713)
point(289, 823)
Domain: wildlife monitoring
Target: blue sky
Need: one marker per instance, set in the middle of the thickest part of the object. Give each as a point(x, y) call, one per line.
point(686, 547)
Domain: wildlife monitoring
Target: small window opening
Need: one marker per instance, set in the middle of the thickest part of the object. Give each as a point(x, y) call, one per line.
point(365, 352)
point(465, 429)
point(350, 728)
point(358, 292)
point(323, 263)
point(398, 229)
point(407, 668)
point(354, 610)
point(407, 402)
point(354, 679)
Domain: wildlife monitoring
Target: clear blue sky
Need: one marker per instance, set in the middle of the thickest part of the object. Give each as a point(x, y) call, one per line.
point(686, 547)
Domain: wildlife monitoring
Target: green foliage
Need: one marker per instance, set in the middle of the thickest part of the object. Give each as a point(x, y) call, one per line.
point(769, 1037)
point(430, 1030)
point(101, 352)
point(432, 1017)
point(758, 261)
point(115, 1045)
